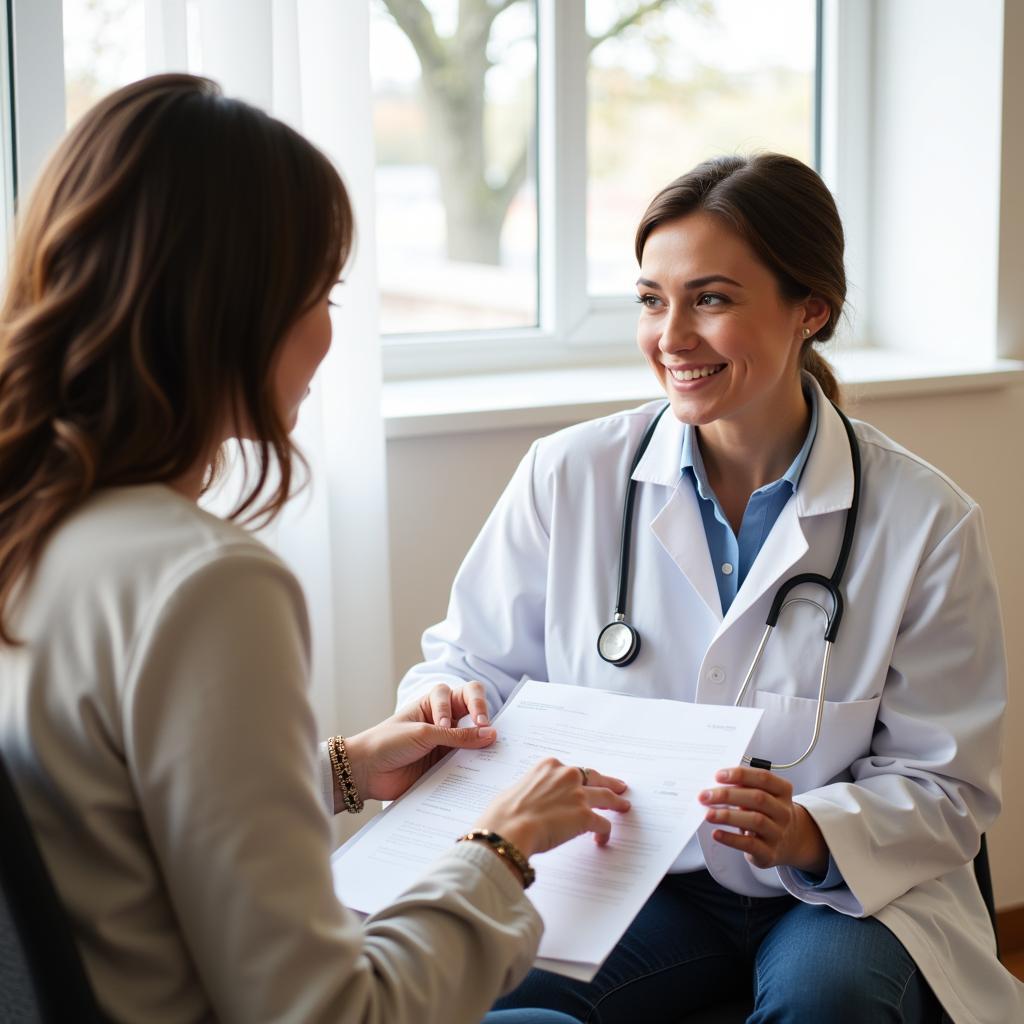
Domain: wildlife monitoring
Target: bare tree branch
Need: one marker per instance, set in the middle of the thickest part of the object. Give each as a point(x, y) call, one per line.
point(626, 20)
point(476, 18)
point(413, 18)
point(454, 70)
point(504, 5)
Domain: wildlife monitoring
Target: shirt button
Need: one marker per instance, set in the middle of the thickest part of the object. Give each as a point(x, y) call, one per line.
point(727, 568)
point(716, 674)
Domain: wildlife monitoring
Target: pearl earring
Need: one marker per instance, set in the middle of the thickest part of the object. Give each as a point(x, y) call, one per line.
point(807, 332)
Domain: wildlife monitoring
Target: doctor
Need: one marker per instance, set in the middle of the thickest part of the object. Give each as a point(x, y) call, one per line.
point(843, 885)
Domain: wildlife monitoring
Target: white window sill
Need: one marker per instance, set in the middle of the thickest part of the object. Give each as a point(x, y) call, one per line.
point(558, 397)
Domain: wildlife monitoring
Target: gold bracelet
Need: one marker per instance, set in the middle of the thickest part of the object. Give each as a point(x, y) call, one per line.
point(342, 771)
point(503, 848)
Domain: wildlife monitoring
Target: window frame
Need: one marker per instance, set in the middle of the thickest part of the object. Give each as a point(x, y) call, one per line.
point(34, 105)
point(32, 92)
point(7, 149)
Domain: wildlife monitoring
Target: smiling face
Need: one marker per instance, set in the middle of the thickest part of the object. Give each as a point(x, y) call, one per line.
point(715, 328)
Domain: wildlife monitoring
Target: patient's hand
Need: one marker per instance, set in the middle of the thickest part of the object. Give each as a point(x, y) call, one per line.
point(553, 803)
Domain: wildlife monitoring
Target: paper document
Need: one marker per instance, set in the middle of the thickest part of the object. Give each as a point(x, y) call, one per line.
point(667, 751)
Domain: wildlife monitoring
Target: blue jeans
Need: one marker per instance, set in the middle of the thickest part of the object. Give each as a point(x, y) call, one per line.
point(696, 944)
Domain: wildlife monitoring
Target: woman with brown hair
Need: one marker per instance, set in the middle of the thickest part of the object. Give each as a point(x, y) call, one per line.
point(168, 292)
point(834, 869)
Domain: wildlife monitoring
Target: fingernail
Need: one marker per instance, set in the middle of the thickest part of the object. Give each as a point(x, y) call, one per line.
point(706, 795)
point(481, 719)
point(444, 722)
point(486, 733)
point(724, 775)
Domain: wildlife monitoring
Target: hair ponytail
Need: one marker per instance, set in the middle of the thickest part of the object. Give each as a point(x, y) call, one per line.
point(814, 363)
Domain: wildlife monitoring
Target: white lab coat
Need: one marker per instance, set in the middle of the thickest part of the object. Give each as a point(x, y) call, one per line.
point(905, 777)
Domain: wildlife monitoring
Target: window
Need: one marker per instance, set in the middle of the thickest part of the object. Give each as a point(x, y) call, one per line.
point(602, 125)
point(517, 141)
point(69, 53)
point(684, 83)
point(629, 95)
point(104, 48)
point(454, 105)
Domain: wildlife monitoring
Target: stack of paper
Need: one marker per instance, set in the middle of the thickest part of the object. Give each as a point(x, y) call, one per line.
point(667, 751)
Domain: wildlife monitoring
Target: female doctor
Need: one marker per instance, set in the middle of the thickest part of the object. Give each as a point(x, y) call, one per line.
point(842, 883)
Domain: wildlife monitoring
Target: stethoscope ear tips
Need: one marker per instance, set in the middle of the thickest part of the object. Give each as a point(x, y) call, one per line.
point(618, 643)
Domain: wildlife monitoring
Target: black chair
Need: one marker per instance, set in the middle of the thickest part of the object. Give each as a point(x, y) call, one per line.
point(738, 1011)
point(984, 877)
point(41, 974)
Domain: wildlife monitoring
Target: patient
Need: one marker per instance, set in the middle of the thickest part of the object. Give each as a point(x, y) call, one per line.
point(168, 292)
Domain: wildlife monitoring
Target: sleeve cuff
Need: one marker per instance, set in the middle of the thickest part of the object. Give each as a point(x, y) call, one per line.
point(326, 779)
point(832, 880)
point(490, 864)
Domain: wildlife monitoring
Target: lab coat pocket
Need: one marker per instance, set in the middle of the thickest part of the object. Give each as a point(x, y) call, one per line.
point(787, 725)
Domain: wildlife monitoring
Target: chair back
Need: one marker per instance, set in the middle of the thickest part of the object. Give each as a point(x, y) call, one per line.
point(41, 974)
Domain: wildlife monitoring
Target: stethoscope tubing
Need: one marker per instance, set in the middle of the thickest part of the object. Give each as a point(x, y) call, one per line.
point(623, 656)
point(627, 519)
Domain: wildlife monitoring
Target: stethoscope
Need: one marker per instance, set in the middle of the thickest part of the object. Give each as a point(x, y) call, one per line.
point(619, 643)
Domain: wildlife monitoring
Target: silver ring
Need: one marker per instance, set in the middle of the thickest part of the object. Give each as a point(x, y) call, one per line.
point(585, 772)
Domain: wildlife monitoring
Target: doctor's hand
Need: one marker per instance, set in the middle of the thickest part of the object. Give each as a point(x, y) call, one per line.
point(773, 830)
point(445, 706)
point(388, 758)
point(552, 804)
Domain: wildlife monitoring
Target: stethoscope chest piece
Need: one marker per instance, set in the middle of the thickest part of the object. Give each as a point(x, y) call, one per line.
point(618, 643)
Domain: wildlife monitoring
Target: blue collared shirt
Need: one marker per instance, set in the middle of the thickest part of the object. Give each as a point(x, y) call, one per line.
point(733, 556)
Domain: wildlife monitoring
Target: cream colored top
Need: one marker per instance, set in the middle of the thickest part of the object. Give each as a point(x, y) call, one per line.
point(157, 726)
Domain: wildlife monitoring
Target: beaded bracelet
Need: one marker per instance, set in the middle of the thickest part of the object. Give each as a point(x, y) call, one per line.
point(503, 848)
point(342, 770)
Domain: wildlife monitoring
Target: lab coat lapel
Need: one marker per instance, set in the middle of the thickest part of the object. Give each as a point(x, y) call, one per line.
point(680, 529)
point(678, 526)
point(783, 548)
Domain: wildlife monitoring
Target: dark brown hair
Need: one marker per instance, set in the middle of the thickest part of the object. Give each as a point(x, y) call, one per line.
point(171, 241)
point(784, 212)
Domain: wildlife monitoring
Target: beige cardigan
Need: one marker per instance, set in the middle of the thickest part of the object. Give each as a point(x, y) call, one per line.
point(157, 726)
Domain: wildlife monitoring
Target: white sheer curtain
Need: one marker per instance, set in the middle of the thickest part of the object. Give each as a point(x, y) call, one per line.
point(287, 57)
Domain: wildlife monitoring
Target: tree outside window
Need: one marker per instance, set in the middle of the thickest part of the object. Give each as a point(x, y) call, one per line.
point(669, 82)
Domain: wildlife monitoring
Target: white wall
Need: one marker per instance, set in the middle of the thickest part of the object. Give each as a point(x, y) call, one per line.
point(441, 489)
point(934, 197)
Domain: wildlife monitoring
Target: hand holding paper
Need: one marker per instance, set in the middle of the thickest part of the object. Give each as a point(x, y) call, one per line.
point(587, 894)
